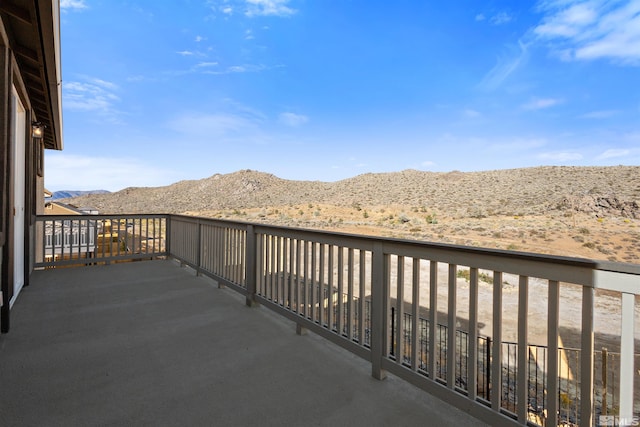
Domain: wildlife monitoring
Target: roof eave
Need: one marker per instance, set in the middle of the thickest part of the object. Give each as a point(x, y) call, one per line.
point(48, 15)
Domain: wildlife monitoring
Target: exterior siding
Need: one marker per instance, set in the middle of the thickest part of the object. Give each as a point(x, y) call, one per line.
point(30, 64)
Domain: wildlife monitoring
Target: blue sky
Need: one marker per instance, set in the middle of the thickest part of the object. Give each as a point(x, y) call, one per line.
point(157, 91)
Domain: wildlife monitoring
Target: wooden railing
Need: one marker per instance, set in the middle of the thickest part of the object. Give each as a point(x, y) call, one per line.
point(404, 306)
point(98, 239)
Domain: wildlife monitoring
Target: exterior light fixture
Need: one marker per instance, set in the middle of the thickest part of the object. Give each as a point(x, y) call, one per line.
point(37, 130)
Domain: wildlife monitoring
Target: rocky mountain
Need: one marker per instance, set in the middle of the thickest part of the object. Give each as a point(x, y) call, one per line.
point(527, 191)
point(66, 194)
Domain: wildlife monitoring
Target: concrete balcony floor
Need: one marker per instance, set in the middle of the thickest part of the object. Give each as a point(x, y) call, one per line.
point(149, 343)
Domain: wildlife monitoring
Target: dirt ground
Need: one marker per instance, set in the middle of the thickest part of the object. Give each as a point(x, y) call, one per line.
point(570, 234)
point(558, 233)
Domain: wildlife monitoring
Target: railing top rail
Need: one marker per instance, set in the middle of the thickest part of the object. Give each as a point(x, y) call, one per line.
point(410, 247)
point(577, 270)
point(100, 216)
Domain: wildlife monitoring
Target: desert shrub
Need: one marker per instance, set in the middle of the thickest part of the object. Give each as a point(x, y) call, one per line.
point(604, 250)
point(464, 274)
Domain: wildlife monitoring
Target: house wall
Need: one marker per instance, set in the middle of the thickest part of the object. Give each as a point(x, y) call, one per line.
point(54, 208)
point(10, 79)
point(5, 259)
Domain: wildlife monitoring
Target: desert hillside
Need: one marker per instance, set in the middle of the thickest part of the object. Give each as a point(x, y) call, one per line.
point(591, 212)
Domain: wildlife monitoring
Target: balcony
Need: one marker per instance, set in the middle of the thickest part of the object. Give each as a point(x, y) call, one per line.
point(507, 338)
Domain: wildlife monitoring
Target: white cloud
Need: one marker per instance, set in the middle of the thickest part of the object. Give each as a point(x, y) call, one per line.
point(198, 39)
point(185, 53)
point(248, 35)
point(214, 125)
point(614, 152)
point(77, 172)
point(541, 103)
point(92, 95)
point(252, 8)
point(472, 114)
point(268, 8)
point(427, 163)
point(292, 119)
point(505, 66)
point(72, 4)
point(500, 18)
point(592, 29)
point(602, 114)
point(560, 156)
point(519, 144)
point(245, 68)
point(480, 17)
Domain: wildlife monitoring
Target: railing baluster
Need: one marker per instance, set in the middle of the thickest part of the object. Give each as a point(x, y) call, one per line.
point(299, 278)
point(251, 265)
point(472, 358)
point(552, 353)
point(331, 305)
point(321, 287)
point(261, 254)
point(399, 335)
point(379, 310)
point(627, 371)
point(350, 301)
point(307, 280)
point(451, 323)
point(290, 274)
point(523, 353)
point(361, 300)
point(278, 270)
point(312, 292)
point(415, 319)
point(340, 296)
point(433, 317)
point(496, 363)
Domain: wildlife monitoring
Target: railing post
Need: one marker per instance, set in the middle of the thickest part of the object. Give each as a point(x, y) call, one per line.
point(379, 271)
point(199, 249)
point(167, 235)
point(250, 266)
